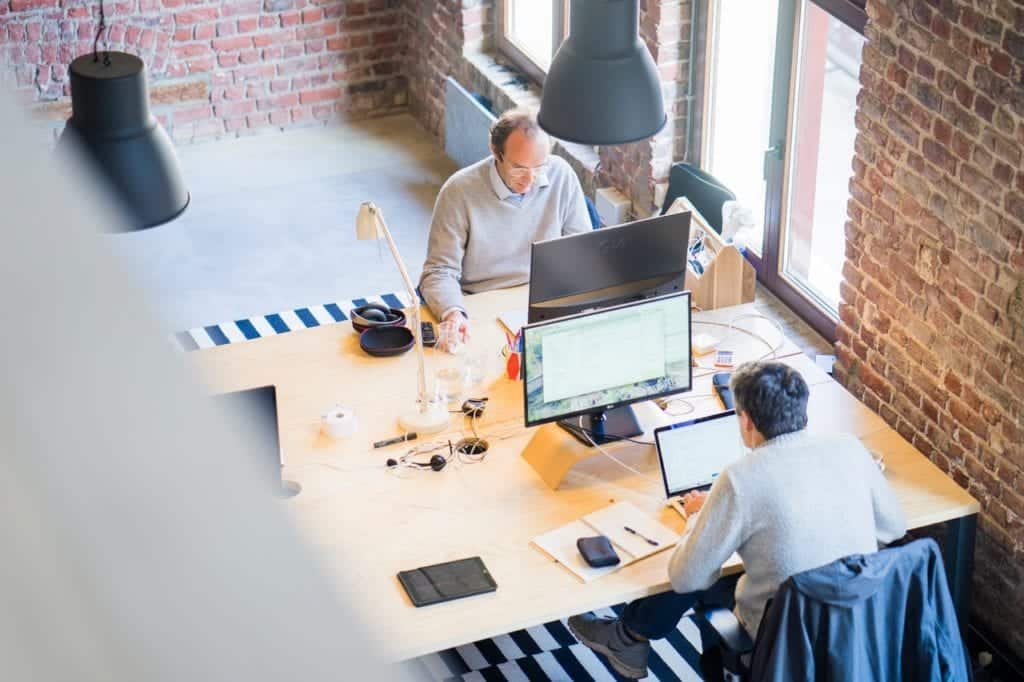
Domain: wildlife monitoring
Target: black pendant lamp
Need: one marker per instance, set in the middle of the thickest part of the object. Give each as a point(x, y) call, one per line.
point(602, 87)
point(112, 125)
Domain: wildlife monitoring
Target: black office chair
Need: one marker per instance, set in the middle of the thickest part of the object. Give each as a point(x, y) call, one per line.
point(702, 189)
point(873, 603)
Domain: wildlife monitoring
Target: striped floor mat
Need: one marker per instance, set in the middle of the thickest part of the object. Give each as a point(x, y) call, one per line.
point(279, 323)
point(550, 652)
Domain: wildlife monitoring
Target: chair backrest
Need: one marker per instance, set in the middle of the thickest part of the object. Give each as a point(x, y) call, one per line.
point(702, 189)
point(881, 616)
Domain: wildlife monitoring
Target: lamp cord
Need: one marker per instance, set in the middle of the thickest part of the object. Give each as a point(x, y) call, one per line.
point(96, 42)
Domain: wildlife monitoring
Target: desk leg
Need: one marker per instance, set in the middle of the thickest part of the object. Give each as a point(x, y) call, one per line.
point(959, 559)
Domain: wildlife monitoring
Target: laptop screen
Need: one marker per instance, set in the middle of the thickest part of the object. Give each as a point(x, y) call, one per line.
point(693, 453)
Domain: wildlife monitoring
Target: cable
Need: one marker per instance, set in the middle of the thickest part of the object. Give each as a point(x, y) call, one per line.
point(591, 432)
point(609, 455)
point(731, 326)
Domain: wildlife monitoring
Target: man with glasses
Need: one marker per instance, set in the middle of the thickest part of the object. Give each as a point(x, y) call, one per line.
point(488, 214)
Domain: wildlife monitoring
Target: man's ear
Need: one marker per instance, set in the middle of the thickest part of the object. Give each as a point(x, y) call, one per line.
point(496, 153)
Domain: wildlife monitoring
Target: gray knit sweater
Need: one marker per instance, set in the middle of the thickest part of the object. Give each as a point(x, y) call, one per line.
point(481, 232)
point(797, 502)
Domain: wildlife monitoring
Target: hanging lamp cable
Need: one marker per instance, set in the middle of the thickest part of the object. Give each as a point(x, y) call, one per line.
point(96, 42)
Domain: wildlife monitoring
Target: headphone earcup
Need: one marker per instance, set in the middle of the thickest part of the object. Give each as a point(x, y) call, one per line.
point(438, 462)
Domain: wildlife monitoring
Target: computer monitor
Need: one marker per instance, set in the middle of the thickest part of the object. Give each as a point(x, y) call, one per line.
point(260, 404)
point(585, 371)
point(606, 267)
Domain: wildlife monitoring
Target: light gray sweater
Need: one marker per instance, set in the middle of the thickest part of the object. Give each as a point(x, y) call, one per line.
point(481, 232)
point(797, 502)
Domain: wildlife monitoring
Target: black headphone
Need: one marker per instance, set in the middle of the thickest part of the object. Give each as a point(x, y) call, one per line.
point(437, 462)
point(382, 313)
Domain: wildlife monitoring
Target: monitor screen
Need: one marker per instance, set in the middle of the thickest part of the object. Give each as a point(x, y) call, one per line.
point(693, 453)
point(605, 359)
point(610, 266)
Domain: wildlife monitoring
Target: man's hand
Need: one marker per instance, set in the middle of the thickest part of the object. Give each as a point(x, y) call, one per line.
point(453, 332)
point(693, 501)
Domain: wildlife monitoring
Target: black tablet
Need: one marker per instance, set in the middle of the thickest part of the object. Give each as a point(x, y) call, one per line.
point(444, 582)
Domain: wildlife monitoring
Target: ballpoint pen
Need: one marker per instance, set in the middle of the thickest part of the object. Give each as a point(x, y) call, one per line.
point(655, 543)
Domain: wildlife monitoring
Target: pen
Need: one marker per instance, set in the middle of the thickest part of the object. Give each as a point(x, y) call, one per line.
point(641, 535)
point(397, 439)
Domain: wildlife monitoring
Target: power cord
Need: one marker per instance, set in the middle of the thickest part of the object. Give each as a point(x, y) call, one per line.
point(609, 455)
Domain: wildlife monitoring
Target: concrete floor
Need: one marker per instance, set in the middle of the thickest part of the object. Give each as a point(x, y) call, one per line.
point(271, 225)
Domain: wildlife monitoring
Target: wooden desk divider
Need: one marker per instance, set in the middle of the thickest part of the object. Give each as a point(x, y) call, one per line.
point(728, 279)
point(553, 452)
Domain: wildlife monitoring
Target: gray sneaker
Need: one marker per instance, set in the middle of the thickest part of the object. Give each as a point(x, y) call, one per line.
point(604, 635)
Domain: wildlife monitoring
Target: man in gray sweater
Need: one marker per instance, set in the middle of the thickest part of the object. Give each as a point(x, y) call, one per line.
point(487, 215)
point(795, 502)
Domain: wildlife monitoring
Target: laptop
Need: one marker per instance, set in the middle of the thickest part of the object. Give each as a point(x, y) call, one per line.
point(261, 404)
point(694, 452)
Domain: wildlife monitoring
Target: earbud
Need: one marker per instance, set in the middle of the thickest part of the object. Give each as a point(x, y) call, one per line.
point(392, 462)
point(437, 462)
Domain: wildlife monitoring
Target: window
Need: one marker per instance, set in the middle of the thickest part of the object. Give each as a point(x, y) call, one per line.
point(530, 31)
point(782, 85)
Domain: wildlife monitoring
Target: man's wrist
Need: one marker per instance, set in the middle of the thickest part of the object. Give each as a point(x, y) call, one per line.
point(454, 309)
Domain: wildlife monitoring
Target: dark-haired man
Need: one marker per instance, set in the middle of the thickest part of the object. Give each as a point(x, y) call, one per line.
point(487, 215)
point(797, 501)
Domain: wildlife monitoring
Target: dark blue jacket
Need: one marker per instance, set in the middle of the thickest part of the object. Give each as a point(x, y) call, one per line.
point(879, 617)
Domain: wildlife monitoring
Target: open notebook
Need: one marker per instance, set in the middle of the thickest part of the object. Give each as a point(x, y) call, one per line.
point(612, 521)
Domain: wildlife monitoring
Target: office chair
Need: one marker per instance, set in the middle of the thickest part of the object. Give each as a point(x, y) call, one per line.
point(702, 189)
point(891, 610)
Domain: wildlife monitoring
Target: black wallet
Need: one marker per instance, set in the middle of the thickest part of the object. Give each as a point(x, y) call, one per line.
point(597, 551)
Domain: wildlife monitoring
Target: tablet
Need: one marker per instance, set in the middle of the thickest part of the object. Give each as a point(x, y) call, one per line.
point(444, 582)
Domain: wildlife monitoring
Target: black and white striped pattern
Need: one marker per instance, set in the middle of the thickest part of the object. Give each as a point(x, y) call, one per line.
point(550, 652)
point(279, 323)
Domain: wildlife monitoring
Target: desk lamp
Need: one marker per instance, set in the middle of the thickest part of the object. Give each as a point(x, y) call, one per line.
point(429, 416)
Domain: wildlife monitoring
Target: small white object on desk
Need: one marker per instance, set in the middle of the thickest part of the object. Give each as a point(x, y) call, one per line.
point(339, 422)
point(703, 344)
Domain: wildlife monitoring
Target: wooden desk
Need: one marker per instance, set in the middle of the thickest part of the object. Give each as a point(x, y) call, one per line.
point(369, 522)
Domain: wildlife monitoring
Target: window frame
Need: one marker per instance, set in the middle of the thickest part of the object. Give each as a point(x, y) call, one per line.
point(778, 171)
point(508, 48)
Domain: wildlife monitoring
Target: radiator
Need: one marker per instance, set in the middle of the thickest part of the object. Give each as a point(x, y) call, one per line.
point(466, 125)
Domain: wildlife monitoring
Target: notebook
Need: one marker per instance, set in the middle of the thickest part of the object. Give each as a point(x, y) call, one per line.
point(611, 521)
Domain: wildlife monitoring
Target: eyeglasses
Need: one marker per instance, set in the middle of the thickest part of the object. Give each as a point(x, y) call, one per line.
point(520, 172)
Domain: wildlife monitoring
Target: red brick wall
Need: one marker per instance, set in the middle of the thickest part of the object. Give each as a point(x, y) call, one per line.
point(932, 330)
point(439, 31)
point(442, 33)
point(219, 67)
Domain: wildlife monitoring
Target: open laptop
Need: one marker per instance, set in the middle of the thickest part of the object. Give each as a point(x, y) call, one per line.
point(694, 452)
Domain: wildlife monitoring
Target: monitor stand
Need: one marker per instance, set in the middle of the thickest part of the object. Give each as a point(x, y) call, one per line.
point(605, 426)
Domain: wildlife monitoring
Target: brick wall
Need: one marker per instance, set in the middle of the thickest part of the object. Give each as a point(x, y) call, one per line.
point(218, 67)
point(932, 330)
point(446, 37)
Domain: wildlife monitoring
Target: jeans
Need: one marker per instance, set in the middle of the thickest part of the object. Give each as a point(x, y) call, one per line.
point(656, 616)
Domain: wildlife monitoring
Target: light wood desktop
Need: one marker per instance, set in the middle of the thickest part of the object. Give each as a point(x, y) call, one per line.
point(369, 522)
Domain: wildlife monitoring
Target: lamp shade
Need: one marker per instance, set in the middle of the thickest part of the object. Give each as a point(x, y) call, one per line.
point(112, 126)
point(368, 222)
point(602, 87)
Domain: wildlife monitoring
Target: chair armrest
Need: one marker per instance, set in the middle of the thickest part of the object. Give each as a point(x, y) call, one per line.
point(733, 638)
